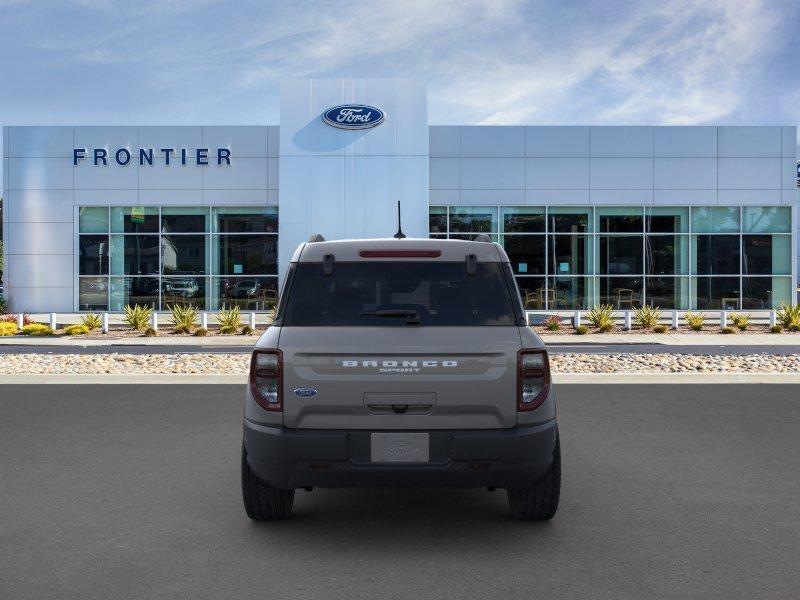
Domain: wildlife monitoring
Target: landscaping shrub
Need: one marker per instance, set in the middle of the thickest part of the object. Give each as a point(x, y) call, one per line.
point(76, 329)
point(695, 321)
point(581, 330)
point(660, 329)
point(647, 316)
point(270, 316)
point(601, 316)
point(200, 332)
point(788, 315)
point(247, 330)
point(137, 317)
point(727, 329)
point(553, 323)
point(183, 318)
point(775, 329)
point(12, 318)
point(37, 329)
point(92, 321)
point(740, 321)
point(230, 320)
point(150, 332)
point(794, 327)
point(8, 329)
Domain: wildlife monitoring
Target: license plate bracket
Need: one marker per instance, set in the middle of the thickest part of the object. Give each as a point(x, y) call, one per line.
point(403, 447)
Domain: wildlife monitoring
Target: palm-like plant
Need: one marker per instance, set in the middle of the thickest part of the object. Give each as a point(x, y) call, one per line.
point(137, 317)
point(183, 317)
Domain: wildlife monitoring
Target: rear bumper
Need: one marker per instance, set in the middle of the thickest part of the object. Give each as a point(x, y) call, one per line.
point(296, 458)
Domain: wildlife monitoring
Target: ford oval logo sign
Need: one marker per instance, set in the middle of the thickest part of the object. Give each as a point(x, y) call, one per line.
point(353, 116)
point(305, 392)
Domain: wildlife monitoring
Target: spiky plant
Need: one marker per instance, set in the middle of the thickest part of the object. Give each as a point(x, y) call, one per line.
point(91, 321)
point(788, 315)
point(230, 320)
point(695, 321)
point(601, 317)
point(137, 317)
point(183, 317)
point(647, 316)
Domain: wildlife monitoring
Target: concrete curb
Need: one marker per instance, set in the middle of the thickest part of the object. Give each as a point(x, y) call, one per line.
point(558, 378)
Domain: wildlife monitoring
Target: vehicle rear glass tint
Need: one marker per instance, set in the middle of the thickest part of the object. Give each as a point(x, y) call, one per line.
point(439, 293)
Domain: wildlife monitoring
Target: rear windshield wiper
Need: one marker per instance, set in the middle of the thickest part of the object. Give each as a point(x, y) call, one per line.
point(412, 316)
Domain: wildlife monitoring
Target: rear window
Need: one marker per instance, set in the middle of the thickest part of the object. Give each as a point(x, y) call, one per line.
point(393, 293)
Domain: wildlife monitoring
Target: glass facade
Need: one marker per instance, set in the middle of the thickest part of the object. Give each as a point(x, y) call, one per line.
point(160, 256)
point(699, 258)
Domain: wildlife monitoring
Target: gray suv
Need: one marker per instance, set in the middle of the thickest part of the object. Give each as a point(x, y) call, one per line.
point(400, 362)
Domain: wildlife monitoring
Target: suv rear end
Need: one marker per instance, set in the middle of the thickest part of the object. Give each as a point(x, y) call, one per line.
point(400, 363)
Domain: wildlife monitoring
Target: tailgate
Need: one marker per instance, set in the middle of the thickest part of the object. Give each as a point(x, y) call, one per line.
point(399, 378)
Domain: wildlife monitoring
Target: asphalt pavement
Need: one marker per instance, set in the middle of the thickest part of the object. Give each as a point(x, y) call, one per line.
point(133, 492)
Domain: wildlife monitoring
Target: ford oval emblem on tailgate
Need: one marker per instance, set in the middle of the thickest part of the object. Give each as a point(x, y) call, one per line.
point(305, 392)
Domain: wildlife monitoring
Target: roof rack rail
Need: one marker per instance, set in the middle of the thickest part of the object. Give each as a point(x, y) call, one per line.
point(315, 237)
point(482, 237)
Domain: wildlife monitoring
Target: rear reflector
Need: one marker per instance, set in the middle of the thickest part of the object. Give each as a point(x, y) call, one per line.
point(400, 253)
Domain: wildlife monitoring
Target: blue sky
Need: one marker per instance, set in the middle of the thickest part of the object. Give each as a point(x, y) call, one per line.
point(485, 61)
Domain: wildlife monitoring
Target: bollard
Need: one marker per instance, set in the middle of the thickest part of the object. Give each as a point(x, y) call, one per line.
point(154, 321)
point(105, 323)
point(20, 321)
point(674, 319)
point(627, 320)
point(53, 321)
point(577, 319)
point(204, 320)
point(773, 318)
point(723, 318)
point(253, 321)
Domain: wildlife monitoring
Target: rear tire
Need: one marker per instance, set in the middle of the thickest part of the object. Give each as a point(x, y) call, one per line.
point(538, 501)
point(262, 502)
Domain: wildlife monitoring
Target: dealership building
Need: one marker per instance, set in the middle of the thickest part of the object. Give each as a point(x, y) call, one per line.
point(684, 217)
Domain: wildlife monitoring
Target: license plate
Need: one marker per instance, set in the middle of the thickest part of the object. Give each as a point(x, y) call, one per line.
point(400, 447)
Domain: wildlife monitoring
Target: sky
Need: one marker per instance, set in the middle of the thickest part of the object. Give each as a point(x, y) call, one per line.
point(499, 62)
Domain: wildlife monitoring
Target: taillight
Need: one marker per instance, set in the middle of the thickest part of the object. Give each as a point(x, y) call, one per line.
point(533, 379)
point(265, 378)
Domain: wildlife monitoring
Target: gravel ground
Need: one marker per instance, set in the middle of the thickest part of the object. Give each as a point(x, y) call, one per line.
point(231, 364)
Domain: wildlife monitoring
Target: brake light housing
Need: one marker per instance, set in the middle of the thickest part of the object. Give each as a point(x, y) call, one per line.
point(533, 378)
point(266, 379)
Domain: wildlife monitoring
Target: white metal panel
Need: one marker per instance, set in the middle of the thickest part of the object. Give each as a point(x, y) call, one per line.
point(557, 141)
point(751, 197)
point(242, 140)
point(685, 197)
point(749, 141)
point(379, 205)
point(613, 141)
point(169, 136)
point(327, 202)
point(484, 197)
point(112, 138)
point(325, 139)
point(272, 197)
point(108, 177)
point(295, 195)
point(233, 197)
point(749, 173)
point(789, 197)
point(557, 173)
point(38, 141)
point(492, 173)
point(36, 270)
point(789, 141)
point(170, 197)
point(493, 141)
point(624, 197)
point(41, 299)
point(445, 173)
point(272, 173)
point(39, 173)
point(685, 141)
point(296, 114)
point(105, 197)
point(380, 140)
point(560, 197)
point(41, 238)
point(789, 173)
point(444, 197)
point(411, 186)
point(621, 173)
point(685, 173)
point(273, 140)
point(242, 173)
point(412, 133)
point(175, 176)
point(445, 140)
point(38, 206)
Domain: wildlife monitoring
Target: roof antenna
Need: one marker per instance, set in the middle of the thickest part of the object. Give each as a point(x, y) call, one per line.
point(399, 235)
